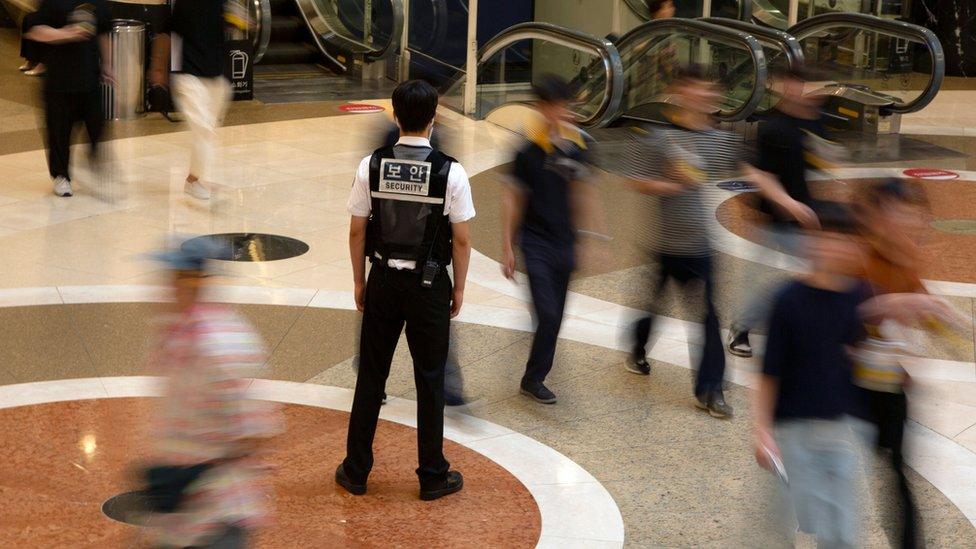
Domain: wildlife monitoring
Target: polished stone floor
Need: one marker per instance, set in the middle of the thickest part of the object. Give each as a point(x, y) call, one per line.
point(78, 303)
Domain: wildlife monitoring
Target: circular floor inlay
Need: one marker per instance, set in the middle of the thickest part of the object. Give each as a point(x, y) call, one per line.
point(955, 226)
point(256, 246)
point(127, 508)
point(63, 460)
point(949, 242)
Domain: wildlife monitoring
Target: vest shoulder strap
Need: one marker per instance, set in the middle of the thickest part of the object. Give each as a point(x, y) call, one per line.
point(374, 165)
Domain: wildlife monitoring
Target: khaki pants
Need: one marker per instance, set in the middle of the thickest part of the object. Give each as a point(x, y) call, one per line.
point(204, 102)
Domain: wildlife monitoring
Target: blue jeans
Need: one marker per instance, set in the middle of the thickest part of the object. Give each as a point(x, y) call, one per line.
point(821, 460)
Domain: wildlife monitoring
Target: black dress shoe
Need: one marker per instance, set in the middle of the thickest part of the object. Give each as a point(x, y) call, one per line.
point(350, 486)
point(452, 483)
point(639, 366)
point(538, 392)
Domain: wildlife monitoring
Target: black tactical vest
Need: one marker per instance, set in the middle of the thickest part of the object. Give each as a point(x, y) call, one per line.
point(407, 218)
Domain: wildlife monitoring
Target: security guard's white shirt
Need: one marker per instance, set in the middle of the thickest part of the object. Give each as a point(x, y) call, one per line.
point(458, 204)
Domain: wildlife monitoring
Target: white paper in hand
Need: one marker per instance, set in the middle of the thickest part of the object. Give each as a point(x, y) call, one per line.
point(778, 468)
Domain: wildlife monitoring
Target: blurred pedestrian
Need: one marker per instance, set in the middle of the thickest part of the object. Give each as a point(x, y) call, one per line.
point(805, 393)
point(74, 34)
point(892, 218)
point(201, 91)
point(31, 51)
point(410, 207)
point(681, 162)
point(790, 145)
point(540, 216)
point(205, 486)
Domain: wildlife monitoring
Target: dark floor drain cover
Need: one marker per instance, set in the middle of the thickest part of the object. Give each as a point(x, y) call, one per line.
point(128, 508)
point(256, 246)
point(956, 226)
point(737, 186)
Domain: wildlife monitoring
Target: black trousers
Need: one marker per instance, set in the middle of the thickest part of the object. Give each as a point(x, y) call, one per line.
point(29, 49)
point(889, 412)
point(394, 299)
point(683, 270)
point(62, 110)
point(549, 268)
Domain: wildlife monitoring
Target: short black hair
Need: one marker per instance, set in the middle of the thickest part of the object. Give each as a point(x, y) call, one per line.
point(414, 105)
point(550, 88)
point(655, 5)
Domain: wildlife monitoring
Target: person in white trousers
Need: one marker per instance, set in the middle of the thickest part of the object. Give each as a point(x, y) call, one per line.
point(201, 91)
point(204, 102)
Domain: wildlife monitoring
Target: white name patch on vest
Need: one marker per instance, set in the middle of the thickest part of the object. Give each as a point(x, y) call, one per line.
point(405, 177)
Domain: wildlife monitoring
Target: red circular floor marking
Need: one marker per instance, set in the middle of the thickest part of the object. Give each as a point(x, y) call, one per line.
point(950, 203)
point(931, 173)
point(360, 108)
point(63, 460)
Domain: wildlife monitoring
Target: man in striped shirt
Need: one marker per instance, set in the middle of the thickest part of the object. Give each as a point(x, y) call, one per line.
point(680, 162)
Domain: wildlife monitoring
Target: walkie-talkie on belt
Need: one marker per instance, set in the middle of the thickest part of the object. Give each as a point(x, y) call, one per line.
point(431, 267)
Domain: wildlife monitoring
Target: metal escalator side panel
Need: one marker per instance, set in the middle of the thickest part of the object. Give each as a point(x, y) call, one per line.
point(711, 33)
point(858, 22)
point(317, 27)
point(328, 32)
point(764, 12)
point(640, 9)
point(262, 38)
point(782, 40)
point(600, 48)
point(390, 47)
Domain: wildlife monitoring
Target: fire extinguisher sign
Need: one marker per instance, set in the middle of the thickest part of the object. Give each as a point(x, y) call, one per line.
point(240, 69)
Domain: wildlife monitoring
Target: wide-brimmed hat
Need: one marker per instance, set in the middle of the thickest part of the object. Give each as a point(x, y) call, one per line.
point(194, 254)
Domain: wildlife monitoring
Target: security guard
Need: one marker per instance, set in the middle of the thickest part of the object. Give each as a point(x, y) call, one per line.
point(410, 207)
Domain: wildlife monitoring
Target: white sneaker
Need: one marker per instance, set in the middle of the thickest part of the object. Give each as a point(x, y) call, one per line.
point(197, 190)
point(62, 187)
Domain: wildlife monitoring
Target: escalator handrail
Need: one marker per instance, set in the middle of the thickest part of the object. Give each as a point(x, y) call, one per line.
point(341, 41)
point(786, 42)
point(262, 12)
point(639, 8)
point(704, 29)
point(766, 13)
point(890, 27)
point(396, 8)
point(609, 57)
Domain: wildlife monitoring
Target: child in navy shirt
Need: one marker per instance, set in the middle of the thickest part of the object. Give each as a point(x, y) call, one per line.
point(806, 393)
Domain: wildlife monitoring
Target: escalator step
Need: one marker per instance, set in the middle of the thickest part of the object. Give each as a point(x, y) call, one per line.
point(287, 29)
point(286, 53)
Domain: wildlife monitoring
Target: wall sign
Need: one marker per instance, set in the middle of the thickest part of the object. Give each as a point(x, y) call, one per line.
point(930, 173)
point(240, 70)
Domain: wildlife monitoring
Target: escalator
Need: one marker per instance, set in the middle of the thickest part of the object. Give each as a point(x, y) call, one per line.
point(734, 60)
point(872, 70)
point(782, 51)
point(622, 83)
point(313, 50)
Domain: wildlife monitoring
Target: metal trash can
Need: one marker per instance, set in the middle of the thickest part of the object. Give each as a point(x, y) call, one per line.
point(125, 99)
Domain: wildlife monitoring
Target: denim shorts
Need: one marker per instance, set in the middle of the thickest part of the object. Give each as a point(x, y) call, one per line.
point(821, 457)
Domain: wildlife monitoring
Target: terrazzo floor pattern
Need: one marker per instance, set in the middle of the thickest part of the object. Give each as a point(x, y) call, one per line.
point(679, 477)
